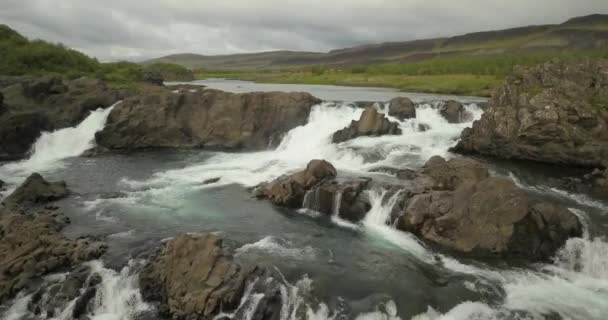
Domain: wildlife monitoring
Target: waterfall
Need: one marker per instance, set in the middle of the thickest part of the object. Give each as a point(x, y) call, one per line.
point(52, 147)
point(337, 202)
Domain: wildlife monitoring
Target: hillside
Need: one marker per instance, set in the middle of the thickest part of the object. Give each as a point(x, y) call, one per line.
point(576, 34)
point(24, 57)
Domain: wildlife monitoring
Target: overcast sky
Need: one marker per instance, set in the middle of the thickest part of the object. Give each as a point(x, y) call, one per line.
point(136, 30)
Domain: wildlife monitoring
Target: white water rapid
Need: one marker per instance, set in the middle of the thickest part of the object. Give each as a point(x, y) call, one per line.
point(52, 147)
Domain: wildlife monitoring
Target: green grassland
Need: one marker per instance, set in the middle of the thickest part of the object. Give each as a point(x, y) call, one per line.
point(465, 75)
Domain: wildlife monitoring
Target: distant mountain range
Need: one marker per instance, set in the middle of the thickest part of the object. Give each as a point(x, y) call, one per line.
point(577, 34)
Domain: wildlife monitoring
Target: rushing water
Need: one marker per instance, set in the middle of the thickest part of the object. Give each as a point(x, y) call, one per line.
point(329, 268)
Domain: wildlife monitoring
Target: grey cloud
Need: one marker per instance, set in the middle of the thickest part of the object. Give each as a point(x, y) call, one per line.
point(125, 29)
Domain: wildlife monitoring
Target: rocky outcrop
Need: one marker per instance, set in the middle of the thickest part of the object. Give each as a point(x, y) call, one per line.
point(161, 118)
point(289, 190)
point(599, 182)
point(371, 123)
point(402, 108)
point(31, 243)
point(36, 191)
point(192, 277)
point(33, 105)
point(454, 112)
point(457, 205)
point(316, 188)
point(19, 131)
point(555, 113)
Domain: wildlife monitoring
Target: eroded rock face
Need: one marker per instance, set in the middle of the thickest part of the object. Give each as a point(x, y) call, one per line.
point(554, 113)
point(36, 191)
point(457, 205)
point(402, 108)
point(31, 243)
point(192, 277)
point(33, 105)
point(289, 191)
point(371, 123)
point(161, 118)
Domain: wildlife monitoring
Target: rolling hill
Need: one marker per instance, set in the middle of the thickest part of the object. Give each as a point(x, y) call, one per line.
point(577, 34)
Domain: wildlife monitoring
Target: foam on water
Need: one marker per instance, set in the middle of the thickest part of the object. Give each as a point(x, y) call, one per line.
point(278, 247)
point(377, 220)
point(313, 141)
point(118, 297)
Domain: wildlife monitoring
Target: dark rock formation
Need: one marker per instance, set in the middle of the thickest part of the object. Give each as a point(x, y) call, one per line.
point(554, 113)
point(192, 277)
point(458, 206)
point(454, 112)
point(207, 118)
point(33, 105)
point(371, 123)
point(402, 108)
point(599, 182)
point(35, 191)
point(19, 131)
point(289, 191)
point(31, 243)
point(347, 199)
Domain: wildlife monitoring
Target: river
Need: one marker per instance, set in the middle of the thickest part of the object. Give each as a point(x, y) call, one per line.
point(334, 268)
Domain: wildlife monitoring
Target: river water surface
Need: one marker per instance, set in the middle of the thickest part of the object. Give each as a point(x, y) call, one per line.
point(332, 268)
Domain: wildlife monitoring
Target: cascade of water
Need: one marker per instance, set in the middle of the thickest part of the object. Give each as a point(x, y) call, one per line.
point(52, 147)
point(337, 203)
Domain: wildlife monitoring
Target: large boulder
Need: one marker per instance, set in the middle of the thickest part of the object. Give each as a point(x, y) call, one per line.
point(36, 191)
point(192, 277)
point(555, 113)
point(289, 190)
point(460, 207)
point(346, 199)
point(207, 118)
point(402, 108)
point(32, 105)
point(454, 112)
point(31, 245)
point(371, 123)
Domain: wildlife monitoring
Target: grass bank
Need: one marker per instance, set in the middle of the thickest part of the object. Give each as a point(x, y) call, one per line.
point(462, 75)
